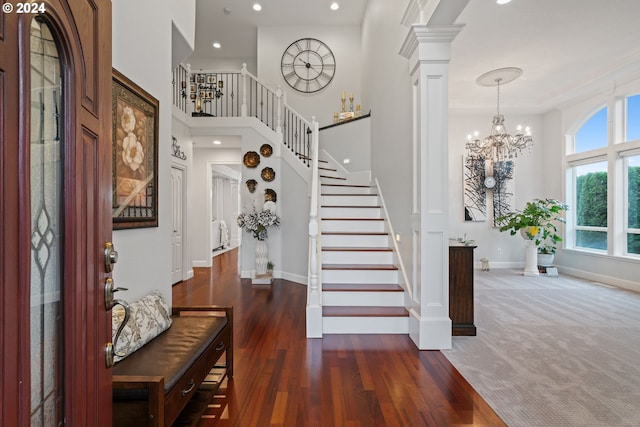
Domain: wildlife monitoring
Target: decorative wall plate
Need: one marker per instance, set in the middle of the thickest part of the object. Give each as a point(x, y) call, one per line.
point(266, 150)
point(270, 195)
point(251, 159)
point(251, 185)
point(268, 174)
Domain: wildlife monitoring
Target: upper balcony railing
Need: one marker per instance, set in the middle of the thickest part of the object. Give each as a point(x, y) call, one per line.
point(241, 94)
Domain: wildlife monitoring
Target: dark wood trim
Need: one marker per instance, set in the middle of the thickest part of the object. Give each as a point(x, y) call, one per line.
point(346, 122)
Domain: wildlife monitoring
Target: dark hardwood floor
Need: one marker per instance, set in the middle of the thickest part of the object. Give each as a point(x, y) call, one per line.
point(283, 379)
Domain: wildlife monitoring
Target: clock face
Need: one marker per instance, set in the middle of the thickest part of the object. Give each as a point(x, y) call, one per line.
point(489, 182)
point(308, 65)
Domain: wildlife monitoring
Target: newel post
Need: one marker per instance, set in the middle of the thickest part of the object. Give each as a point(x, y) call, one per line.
point(243, 107)
point(314, 304)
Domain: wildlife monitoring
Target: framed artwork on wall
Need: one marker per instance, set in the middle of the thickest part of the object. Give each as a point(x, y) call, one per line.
point(135, 155)
point(474, 191)
point(504, 190)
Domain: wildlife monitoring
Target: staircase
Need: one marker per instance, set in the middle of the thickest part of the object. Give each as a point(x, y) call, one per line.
point(360, 290)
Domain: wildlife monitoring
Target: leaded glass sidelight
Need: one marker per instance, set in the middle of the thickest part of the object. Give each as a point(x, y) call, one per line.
point(47, 228)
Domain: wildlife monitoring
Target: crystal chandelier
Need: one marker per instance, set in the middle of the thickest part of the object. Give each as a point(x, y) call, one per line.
point(499, 145)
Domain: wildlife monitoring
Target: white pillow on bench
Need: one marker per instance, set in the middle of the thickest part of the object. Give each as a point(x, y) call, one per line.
point(149, 316)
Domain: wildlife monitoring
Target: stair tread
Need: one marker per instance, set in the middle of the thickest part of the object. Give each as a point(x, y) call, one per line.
point(333, 177)
point(355, 249)
point(328, 169)
point(351, 219)
point(345, 185)
point(359, 267)
point(361, 287)
point(350, 311)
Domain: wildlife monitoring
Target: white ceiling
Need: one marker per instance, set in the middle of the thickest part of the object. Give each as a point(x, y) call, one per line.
point(565, 47)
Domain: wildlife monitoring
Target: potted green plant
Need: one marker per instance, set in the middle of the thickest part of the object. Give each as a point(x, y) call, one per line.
point(537, 222)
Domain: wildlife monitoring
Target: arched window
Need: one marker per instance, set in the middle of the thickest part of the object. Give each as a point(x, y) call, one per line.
point(603, 180)
point(593, 133)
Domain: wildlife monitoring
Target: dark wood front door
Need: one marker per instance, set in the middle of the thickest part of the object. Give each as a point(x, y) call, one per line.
point(55, 212)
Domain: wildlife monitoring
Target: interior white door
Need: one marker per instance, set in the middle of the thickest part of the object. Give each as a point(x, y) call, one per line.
point(177, 235)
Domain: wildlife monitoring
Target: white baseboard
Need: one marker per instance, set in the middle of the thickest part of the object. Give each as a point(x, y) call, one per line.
point(291, 277)
point(189, 274)
point(498, 265)
point(601, 278)
point(200, 264)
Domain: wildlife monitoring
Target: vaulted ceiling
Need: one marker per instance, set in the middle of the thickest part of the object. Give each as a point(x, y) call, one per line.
point(566, 48)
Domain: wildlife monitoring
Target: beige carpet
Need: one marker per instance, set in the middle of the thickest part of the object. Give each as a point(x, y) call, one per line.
point(553, 351)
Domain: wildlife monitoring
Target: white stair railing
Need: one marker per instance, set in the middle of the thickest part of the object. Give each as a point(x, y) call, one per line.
point(314, 276)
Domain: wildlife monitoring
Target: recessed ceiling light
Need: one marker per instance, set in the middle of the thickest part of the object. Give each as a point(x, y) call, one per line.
point(257, 7)
point(335, 6)
point(217, 45)
point(216, 142)
point(502, 1)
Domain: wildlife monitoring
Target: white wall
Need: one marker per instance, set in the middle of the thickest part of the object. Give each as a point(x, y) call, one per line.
point(183, 30)
point(344, 42)
point(145, 254)
point(350, 140)
point(387, 90)
point(181, 132)
point(293, 208)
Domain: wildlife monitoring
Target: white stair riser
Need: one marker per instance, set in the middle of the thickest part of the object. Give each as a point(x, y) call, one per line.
point(365, 325)
point(346, 212)
point(357, 257)
point(369, 299)
point(360, 276)
point(350, 200)
point(373, 226)
point(342, 189)
point(351, 240)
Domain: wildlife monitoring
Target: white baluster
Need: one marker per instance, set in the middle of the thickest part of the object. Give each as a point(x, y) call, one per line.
point(279, 94)
point(243, 107)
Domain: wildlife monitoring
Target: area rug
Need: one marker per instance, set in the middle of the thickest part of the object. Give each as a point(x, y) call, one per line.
point(553, 351)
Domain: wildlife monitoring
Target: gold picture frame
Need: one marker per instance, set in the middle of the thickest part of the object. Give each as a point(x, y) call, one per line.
point(134, 155)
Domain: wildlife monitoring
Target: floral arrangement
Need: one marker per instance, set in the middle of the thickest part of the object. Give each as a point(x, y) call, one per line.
point(258, 222)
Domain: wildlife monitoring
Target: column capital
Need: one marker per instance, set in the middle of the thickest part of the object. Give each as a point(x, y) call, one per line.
point(429, 43)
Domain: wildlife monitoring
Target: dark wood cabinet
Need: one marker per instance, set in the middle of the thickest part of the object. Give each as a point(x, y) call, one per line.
point(461, 289)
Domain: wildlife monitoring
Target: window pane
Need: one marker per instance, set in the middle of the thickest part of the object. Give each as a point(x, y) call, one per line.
point(593, 134)
point(633, 194)
point(47, 229)
point(633, 243)
point(591, 239)
point(591, 195)
point(633, 118)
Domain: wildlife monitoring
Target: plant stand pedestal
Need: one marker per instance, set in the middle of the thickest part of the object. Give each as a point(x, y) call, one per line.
point(531, 258)
point(262, 279)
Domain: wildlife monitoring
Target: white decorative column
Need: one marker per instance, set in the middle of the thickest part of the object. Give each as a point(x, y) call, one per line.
point(428, 50)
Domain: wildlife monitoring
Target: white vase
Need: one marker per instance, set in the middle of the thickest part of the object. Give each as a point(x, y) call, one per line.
point(262, 257)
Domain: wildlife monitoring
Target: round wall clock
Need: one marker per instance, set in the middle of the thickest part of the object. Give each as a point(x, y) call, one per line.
point(308, 65)
point(489, 182)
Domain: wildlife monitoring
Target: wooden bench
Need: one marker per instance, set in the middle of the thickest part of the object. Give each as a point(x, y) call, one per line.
point(154, 385)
